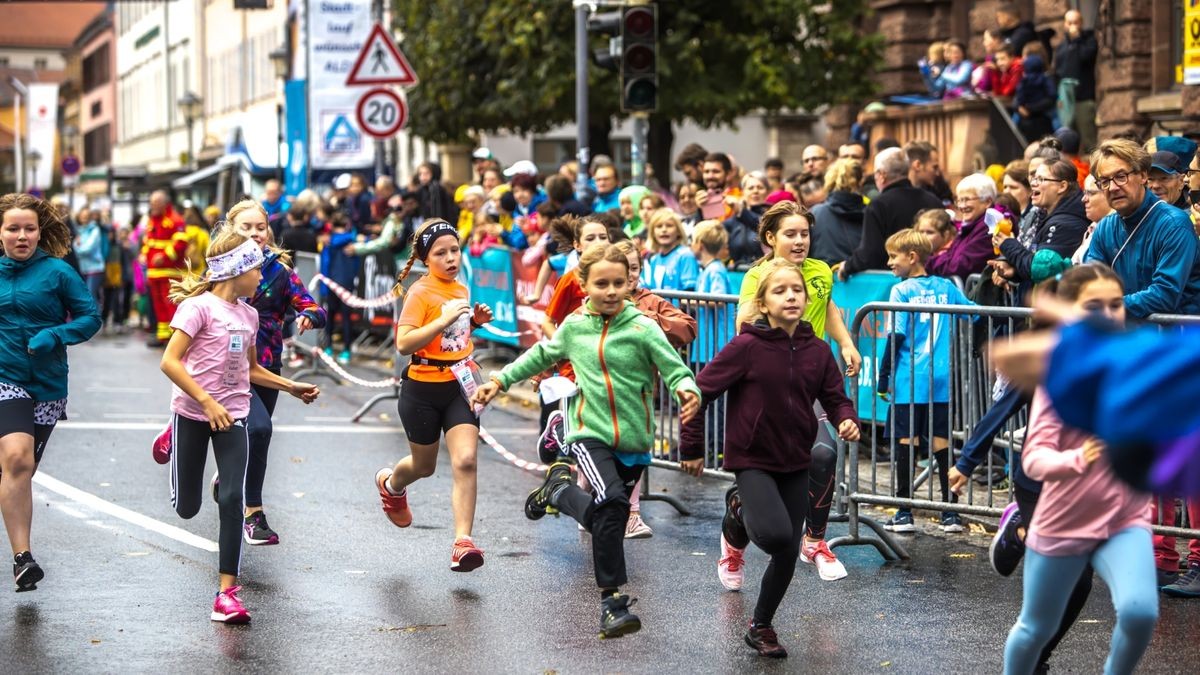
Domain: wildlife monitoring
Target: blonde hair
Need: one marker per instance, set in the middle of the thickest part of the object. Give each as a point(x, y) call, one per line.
point(770, 269)
point(939, 219)
point(845, 175)
point(223, 241)
point(54, 237)
point(1125, 150)
point(613, 253)
point(711, 235)
point(910, 241)
point(245, 205)
point(660, 216)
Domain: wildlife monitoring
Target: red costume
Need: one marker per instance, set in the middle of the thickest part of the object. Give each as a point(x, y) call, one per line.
point(165, 250)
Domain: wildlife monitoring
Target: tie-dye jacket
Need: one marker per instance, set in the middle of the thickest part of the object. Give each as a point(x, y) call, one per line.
point(280, 290)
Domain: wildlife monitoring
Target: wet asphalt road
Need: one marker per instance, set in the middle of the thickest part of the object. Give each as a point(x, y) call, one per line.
point(345, 591)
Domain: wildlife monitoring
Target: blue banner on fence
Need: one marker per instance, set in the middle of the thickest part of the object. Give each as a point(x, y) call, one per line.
point(492, 283)
point(849, 296)
point(296, 169)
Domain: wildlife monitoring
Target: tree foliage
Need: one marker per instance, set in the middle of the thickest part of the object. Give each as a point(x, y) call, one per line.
point(490, 65)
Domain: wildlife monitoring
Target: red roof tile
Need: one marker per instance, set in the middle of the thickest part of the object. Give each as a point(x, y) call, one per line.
point(45, 24)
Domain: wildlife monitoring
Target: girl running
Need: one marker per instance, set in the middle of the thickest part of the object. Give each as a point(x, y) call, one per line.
point(672, 266)
point(776, 359)
point(37, 290)
point(435, 328)
point(615, 350)
point(211, 360)
point(1084, 516)
point(279, 291)
point(786, 228)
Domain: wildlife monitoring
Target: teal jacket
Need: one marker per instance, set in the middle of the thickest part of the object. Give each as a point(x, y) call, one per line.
point(44, 306)
point(615, 360)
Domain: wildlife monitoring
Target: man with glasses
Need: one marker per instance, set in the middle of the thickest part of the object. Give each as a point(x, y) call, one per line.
point(1148, 242)
point(816, 160)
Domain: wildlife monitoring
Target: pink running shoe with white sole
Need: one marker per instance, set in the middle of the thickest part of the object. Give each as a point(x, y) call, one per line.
point(829, 568)
point(161, 448)
point(729, 567)
point(227, 608)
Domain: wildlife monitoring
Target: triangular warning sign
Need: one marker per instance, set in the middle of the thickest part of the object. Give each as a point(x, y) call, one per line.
point(380, 62)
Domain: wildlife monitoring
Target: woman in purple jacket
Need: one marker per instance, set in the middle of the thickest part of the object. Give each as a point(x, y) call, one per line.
point(776, 360)
point(972, 249)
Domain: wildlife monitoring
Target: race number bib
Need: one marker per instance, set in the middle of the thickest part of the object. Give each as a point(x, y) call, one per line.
point(469, 378)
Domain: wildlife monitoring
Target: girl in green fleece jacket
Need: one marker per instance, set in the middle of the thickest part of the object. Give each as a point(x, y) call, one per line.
point(615, 350)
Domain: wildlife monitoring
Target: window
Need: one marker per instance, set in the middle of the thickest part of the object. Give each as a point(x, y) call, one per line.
point(40, 64)
point(96, 109)
point(95, 69)
point(3, 61)
point(96, 146)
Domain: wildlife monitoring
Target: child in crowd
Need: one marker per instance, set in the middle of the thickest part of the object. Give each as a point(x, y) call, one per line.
point(648, 205)
point(1009, 69)
point(341, 268)
point(938, 225)
point(435, 327)
point(776, 359)
point(212, 361)
point(932, 63)
point(1085, 516)
point(1035, 99)
point(630, 199)
point(616, 351)
point(710, 244)
point(485, 234)
point(919, 342)
point(672, 265)
point(954, 80)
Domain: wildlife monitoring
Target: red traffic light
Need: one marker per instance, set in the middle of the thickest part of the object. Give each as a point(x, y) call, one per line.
point(639, 59)
point(639, 22)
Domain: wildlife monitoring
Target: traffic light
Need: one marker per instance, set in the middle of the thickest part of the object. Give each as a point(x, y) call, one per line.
point(607, 24)
point(639, 58)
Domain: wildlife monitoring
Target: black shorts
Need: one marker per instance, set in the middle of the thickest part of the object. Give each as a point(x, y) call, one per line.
point(428, 409)
point(20, 416)
point(901, 426)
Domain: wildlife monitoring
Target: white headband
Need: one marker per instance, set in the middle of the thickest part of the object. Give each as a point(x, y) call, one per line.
point(244, 258)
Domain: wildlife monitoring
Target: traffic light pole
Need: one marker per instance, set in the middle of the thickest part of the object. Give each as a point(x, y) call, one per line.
point(581, 95)
point(637, 150)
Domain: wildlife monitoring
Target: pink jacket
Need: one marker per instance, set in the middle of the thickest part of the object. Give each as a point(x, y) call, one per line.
point(1081, 505)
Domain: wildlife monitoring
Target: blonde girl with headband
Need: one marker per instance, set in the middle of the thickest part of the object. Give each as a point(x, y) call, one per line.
point(37, 291)
point(435, 327)
point(212, 361)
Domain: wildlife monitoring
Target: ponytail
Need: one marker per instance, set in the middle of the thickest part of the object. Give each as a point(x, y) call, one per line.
point(224, 240)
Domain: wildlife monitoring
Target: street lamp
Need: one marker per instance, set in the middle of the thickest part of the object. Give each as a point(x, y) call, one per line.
point(191, 106)
point(279, 59)
point(35, 158)
point(70, 135)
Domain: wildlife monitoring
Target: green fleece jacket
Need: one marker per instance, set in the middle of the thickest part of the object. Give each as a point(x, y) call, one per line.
point(615, 360)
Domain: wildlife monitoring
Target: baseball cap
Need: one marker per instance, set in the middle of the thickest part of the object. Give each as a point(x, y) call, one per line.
point(1183, 148)
point(1070, 140)
point(522, 166)
point(342, 182)
point(482, 153)
point(1167, 162)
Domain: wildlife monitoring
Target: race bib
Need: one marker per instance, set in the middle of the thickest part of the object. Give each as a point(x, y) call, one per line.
point(469, 378)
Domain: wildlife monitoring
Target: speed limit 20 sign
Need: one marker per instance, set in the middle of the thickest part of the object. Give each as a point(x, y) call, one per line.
point(381, 113)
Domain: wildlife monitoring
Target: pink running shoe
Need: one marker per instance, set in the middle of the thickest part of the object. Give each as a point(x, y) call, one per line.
point(227, 608)
point(161, 448)
point(729, 567)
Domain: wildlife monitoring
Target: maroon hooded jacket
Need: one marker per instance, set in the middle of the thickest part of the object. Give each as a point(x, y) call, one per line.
point(772, 379)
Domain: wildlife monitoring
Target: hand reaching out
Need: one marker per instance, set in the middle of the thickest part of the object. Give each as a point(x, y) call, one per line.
point(482, 315)
point(304, 391)
point(848, 431)
point(485, 393)
point(689, 405)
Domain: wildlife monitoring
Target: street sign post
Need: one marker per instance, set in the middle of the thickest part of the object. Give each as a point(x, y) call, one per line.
point(70, 165)
point(381, 113)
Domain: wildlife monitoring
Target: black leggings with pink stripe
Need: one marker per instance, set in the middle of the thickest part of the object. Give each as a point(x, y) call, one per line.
point(230, 448)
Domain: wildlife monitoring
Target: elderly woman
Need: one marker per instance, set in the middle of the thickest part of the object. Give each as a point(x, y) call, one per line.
point(838, 225)
point(1056, 192)
point(971, 251)
point(755, 189)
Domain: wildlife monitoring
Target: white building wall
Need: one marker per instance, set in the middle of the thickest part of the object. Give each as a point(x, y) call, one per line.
point(37, 59)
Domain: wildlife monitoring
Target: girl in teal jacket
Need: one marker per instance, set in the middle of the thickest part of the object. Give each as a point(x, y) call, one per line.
point(37, 290)
point(615, 350)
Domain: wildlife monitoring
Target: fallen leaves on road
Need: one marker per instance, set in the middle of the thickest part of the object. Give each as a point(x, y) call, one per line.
point(297, 460)
point(962, 555)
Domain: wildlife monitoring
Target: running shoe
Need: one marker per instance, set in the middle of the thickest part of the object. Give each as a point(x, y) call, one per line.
point(952, 522)
point(227, 608)
point(636, 528)
point(729, 567)
point(551, 443)
point(732, 521)
point(395, 506)
point(1187, 585)
point(344, 358)
point(26, 572)
point(616, 619)
point(764, 641)
point(161, 448)
point(901, 522)
point(257, 532)
point(829, 568)
point(465, 556)
point(541, 501)
point(1166, 577)
point(1007, 549)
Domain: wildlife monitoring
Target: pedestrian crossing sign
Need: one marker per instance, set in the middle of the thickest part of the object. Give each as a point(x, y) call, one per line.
point(380, 62)
point(340, 135)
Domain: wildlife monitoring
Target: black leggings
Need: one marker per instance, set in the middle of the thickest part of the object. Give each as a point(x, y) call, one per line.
point(605, 512)
point(334, 305)
point(904, 474)
point(820, 478)
point(1027, 503)
point(259, 428)
point(774, 506)
point(190, 441)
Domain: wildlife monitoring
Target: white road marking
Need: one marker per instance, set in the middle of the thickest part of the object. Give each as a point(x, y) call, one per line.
point(133, 517)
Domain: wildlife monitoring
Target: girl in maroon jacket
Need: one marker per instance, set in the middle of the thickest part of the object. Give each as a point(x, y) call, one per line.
point(773, 371)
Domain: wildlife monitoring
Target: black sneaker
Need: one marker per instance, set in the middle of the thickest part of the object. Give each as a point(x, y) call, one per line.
point(1007, 549)
point(541, 501)
point(1187, 585)
point(26, 572)
point(257, 532)
point(1165, 577)
point(552, 443)
point(732, 526)
point(616, 619)
point(765, 642)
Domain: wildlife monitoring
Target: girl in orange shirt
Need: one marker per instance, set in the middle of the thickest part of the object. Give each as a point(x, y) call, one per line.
point(435, 327)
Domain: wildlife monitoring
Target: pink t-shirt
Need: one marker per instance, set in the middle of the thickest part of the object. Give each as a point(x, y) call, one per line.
point(222, 334)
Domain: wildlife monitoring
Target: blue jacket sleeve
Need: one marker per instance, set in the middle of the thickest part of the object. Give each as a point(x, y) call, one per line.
point(515, 238)
point(689, 271)
point(1175, 255)
point(85, 316)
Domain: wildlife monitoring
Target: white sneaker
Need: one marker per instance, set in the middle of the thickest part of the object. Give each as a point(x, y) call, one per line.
point(829, 568)
point(636, 528)
point(729, 567)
